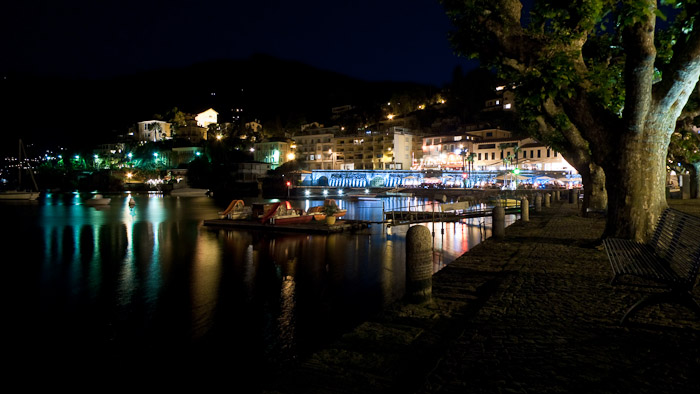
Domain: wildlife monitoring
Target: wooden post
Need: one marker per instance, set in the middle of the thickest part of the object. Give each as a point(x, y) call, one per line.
point(538, 202)
point(498, 222)
point(547, 198)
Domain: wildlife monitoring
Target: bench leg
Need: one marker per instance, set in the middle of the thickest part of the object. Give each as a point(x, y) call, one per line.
point(680, 297)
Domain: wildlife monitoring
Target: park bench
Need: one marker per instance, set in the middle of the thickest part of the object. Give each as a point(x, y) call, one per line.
point(670, 259)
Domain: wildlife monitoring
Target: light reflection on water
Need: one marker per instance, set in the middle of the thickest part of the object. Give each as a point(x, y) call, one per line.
point(153, 277)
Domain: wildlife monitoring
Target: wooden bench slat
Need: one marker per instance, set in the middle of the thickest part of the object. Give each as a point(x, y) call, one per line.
point(671, 257)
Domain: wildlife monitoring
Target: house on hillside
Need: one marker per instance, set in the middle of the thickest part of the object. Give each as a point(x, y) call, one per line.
point(153, 131)
point(192, 131)
point(205, 118)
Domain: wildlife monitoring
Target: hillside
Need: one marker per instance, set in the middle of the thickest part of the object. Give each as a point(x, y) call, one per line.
point(55, 110)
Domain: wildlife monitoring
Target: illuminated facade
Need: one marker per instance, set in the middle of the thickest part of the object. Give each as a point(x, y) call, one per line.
point(321, 148)
point(489, 150)
point(274, 152)
point(204, 119)
point(445, 152)
point(315, 148)
point(153, 131)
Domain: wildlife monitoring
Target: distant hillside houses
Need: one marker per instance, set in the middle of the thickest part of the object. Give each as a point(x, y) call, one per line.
point(195, 128)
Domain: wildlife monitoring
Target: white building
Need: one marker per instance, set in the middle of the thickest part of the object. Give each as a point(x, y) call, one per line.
point(204, 119)
point(492, 149)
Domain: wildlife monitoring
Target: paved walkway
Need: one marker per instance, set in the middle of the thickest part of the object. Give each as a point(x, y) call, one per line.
point(531, 313)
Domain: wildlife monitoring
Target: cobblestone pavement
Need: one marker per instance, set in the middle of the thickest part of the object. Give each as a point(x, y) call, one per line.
point(531, 313)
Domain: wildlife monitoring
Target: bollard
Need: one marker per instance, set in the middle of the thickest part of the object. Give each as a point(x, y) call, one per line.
point(547, 198)
point(684, 183)
point(557, 195)
point(419, 265)
point(498, 222)
point(538, 202)
point(571, 196)
point(525, 209)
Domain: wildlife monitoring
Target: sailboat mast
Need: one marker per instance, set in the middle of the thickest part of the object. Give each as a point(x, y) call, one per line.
point(31, 173)
point(19, 165)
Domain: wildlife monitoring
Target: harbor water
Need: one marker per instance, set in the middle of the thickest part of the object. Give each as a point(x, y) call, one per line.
point(151, 282)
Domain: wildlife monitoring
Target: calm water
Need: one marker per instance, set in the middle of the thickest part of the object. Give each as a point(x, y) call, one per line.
point(151, 282)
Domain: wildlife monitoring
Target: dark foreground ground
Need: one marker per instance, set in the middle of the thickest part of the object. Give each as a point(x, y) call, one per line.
point(531, 313)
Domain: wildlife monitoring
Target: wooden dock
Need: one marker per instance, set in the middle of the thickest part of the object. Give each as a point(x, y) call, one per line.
point(396, 218)
point(316, 227)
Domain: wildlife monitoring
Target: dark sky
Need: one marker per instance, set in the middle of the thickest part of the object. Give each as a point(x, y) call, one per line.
point(367, 39)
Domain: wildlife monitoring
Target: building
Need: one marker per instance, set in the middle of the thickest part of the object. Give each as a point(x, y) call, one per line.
point(205, 118)
point(314, 148)
point(492, 149)
point(326, 148)
point(183, 155)
point(495, 149)
point(504, 100)
point(192, 131)
point(445, 152)
point(153, 131)
point(274, 152)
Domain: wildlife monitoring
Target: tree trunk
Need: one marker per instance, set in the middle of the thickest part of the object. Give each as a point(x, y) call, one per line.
point(636, 181)
point(595, 196)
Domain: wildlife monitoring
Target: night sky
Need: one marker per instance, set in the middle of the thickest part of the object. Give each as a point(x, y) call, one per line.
point(397, 40)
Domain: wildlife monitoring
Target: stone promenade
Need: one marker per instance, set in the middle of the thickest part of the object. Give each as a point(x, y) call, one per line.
point(531, 313)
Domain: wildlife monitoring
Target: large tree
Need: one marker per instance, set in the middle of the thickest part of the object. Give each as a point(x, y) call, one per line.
point(600, 79)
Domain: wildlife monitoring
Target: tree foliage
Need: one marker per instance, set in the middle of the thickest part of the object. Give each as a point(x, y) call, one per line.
point(603, 81)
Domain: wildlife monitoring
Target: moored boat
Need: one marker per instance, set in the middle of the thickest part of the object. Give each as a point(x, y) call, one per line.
point(18, 195)
point(322, 209)
point(283, 213)
point(21, 195)
point(237, 210)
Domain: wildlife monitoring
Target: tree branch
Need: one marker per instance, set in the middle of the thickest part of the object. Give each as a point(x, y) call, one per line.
point(681, 75)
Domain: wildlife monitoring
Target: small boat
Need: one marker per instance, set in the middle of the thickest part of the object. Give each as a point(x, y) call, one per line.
point(21, 195)
point(132, 203)
point(98, 199)
point(321, 209)
point(236, 210)
point(283, 213)
point(318, 212)
point(14, 195)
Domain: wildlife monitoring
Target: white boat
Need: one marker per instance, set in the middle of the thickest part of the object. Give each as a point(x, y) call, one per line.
point(18, 195)
point(98, 199)
point(21, 195)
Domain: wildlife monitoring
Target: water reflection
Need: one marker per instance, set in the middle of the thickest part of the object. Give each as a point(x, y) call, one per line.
point(152, 276)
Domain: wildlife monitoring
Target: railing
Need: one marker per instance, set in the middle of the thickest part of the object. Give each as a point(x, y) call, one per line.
point(447, 212)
